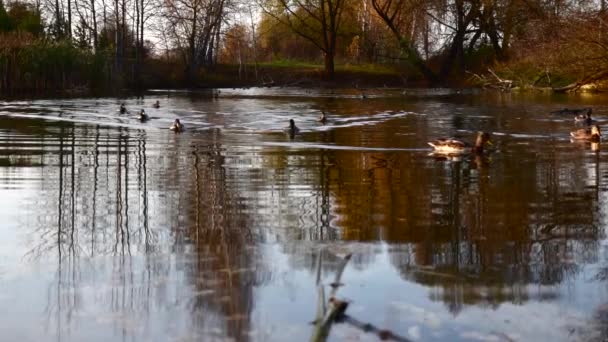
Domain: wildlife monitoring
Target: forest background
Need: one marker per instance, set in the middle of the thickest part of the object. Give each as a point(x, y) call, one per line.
point(112, 45)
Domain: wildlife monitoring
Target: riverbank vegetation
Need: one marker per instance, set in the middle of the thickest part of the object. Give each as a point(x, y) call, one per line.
point(84, 45)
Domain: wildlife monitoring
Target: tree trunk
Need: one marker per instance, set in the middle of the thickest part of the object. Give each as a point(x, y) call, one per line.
point(117, 39)
point(217, 44)
point(329, 65)
point(191, 77)
point(456, 52)
point(598, 76)
point(105, 18)
point(254, 40)
point(509, 22)
point(69, 28)
point(123, 33)
point(58, 21)
point(137, 45)
point(94, 15)
point(141, 39)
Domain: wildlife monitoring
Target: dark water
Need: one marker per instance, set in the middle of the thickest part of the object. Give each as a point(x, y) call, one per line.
point(117, 230)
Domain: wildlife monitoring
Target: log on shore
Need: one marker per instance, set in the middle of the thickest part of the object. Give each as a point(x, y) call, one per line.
point(598, 76)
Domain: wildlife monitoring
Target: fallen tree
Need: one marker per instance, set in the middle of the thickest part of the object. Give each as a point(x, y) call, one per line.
point(591, 79)
point(493, 81)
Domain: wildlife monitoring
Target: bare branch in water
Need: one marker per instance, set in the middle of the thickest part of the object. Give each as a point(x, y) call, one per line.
point(383, 334)
point(327, 315)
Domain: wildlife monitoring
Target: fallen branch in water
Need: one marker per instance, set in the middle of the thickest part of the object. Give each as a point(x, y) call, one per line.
point(598, 76)
point(334, 310)
point(327, 315)
point(382, 334)
point(495, 82)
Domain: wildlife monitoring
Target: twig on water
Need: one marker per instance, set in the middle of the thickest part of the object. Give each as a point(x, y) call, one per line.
point(327, 314)
point(334, 310)
point(382, 334)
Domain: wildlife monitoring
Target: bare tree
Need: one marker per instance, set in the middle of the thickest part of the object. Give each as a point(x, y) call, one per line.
point(254, 40)
point(194, 26)
point(394, 14)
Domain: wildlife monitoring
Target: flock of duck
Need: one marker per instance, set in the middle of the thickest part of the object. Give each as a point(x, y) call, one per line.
point(449, 146)
point(581, 116)
point(177, 126)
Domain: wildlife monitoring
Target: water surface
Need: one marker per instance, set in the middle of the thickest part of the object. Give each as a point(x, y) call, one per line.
point(114, 229)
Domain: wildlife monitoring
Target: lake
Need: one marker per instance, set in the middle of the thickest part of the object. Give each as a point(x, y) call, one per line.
point(117, 230)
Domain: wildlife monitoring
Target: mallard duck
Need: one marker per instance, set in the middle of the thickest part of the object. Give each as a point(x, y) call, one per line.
point(292, 129)
point(453, 146)
point(122, 109)
point(322, 118)
point(584, 118)
point(143, 116)
point(177, 126)
point(156, 104)
point(592, 134)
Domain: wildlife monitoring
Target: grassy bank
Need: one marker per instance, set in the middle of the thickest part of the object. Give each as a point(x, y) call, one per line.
point(282, 73)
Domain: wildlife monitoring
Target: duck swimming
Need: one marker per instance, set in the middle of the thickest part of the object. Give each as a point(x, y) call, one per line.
point(143, 116)
point(156, 104)
point(453, 146)
point(293, 129)
point(322, 118)
point(584, 118)
point(592, 134)
point(122, 109)
point(177, 126)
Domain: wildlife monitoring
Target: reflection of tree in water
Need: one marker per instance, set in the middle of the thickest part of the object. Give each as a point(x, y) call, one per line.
point(122, 201)
point(492, 237)
point(294, 200)
point(305, 256)
point(226, 260)
point(478, 231)
point(595, 329)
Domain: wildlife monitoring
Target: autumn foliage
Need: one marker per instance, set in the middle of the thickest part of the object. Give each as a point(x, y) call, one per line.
point(89, 44)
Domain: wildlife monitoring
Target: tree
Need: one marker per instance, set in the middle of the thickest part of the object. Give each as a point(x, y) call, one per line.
point(194, 26)
point(21, 17)
point(394, 14)
point(5, 23)
point(236, 47)
point(461, 27)
point(318, 21)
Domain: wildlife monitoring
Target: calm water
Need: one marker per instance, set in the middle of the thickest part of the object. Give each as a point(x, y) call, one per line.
point(117, 230)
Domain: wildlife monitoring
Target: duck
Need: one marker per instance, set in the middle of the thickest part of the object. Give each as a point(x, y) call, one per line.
point(592, 134)
point(584, 118)
point(143, 116)
point(454, 146)
point(156, 104)
point(122, 109)
point(322, 118)
point(293, 129)
point(177, 126)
